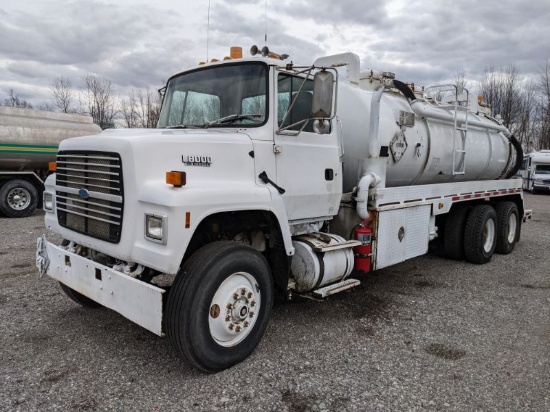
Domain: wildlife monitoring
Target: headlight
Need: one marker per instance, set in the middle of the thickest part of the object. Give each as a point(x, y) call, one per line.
point(48, 202)
point(538, 181)
point(155, 228)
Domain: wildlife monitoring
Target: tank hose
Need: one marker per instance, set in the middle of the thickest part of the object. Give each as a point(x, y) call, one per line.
point(519, 157)
point(403, 88)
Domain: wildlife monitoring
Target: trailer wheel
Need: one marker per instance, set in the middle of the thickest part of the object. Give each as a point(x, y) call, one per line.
point(454, 232)
point(508, 227)
point(79, 297)
point(18, 198)
point(219, 305)
point(480, 234)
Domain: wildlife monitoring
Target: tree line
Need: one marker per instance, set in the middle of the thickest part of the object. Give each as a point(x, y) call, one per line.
point(523, 104)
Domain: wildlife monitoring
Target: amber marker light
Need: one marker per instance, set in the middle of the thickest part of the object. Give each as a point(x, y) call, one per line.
point(187, 220)
point(236, 52)
point(52, 166)
point(176, 178)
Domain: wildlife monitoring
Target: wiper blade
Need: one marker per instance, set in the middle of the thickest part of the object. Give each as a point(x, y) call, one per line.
point(233, 118)
point(183, 126)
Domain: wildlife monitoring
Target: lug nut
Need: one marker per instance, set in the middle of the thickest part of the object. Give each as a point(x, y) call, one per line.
point(251, 314)
point(243, 291)
point(253, 303)
point(246, 324)
point(231, 326)
point(227, 318)
point(235, 296)
point(249, 295)
point(238, 329)
point(229, 306)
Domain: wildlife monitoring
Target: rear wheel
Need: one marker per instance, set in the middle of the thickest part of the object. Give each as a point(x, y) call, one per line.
point(508, 227)
point(480, 234)
point(219, 305)
point(454, 232)
point(18, 198)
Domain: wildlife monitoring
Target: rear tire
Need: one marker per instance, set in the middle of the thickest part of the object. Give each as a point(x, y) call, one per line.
point(219, 305)
point(454, 232)
point(18, 198)
point(508, 227)
point(480, 234)
point(79, 297)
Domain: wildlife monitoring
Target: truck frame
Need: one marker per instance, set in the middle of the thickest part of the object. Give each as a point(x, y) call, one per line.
point(188, 230)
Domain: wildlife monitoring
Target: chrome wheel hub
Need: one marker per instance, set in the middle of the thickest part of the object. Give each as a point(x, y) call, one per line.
point(233, 309)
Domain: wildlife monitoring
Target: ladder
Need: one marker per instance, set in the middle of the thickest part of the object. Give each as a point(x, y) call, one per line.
point(460, 130)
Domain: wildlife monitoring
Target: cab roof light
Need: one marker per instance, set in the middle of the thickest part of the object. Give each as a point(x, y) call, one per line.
point(176, 178)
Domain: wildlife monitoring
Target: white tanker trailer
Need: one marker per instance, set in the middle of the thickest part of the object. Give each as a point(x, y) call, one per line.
point(262, 176)
point(28, 142)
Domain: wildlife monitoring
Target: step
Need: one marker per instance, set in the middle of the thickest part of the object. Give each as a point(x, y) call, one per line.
point(335, 288)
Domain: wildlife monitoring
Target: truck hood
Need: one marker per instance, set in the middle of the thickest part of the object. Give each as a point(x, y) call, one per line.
point(147, 154)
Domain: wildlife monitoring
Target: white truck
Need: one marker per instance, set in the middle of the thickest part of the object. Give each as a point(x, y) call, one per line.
point(264, 175)
point(535, 171)
point(28, 142)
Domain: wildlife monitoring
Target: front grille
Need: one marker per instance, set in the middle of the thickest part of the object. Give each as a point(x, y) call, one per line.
point(89, 193)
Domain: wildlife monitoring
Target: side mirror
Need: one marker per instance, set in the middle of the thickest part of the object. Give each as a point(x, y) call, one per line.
point(323, 91)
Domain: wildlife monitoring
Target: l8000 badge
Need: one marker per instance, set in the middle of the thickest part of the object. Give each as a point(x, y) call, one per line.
point(196, 160)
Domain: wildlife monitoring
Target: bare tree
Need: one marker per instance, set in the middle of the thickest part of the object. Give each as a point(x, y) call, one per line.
point(14, 101)
point(141, 109)
point(542, 132)
point(511, 98)
point(62, 91)
point(100, 100)
point(128, 111)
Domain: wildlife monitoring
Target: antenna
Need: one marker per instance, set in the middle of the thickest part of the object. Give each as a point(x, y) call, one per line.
point(265, 24)
point(208, 30)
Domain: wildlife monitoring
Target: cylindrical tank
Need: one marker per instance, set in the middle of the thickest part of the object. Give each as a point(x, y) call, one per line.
point(313, 267)
point(29, 138)
point(420, 149)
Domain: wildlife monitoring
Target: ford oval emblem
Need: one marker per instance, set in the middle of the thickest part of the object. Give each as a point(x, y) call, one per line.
point(83, 193)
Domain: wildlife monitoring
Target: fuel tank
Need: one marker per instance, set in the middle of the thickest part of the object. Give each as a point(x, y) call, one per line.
point(422, 142)
point(29, 138)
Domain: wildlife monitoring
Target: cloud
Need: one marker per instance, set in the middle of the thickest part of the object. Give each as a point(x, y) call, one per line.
point(136, 45)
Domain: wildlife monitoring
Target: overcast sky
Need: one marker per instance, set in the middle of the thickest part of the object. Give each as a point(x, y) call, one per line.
point(138, 44)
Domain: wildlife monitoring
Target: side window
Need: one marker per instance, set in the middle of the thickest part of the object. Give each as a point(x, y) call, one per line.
point(288, 87)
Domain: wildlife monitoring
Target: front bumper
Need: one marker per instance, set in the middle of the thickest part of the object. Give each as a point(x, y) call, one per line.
point(138, 301)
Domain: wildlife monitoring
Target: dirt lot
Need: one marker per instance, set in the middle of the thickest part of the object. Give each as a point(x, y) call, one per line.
point(429, 334)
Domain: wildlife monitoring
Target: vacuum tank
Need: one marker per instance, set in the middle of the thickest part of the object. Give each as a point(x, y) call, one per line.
point(422, 141)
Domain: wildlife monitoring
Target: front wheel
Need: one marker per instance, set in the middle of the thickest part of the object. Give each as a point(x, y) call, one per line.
point(480, 234)
point(18, 198)
point(219, 305)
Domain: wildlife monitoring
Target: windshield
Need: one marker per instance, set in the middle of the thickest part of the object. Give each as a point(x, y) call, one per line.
point(218, 96)
point(542, 170)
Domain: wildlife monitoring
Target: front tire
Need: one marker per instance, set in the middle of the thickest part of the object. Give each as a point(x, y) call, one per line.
point(480, 234)
point(219, 305)
point(18, 198)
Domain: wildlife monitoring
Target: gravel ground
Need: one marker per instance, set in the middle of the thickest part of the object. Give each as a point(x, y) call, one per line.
point(428, 334)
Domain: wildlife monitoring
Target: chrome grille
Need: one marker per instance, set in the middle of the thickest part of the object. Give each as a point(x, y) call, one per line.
point(89, 193)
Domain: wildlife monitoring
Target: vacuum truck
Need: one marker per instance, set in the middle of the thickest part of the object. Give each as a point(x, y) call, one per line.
point(28, 142)
point(267, 176)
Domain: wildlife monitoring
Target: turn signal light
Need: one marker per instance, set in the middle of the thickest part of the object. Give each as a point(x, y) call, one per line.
point(52, 166)
point(176, 178)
